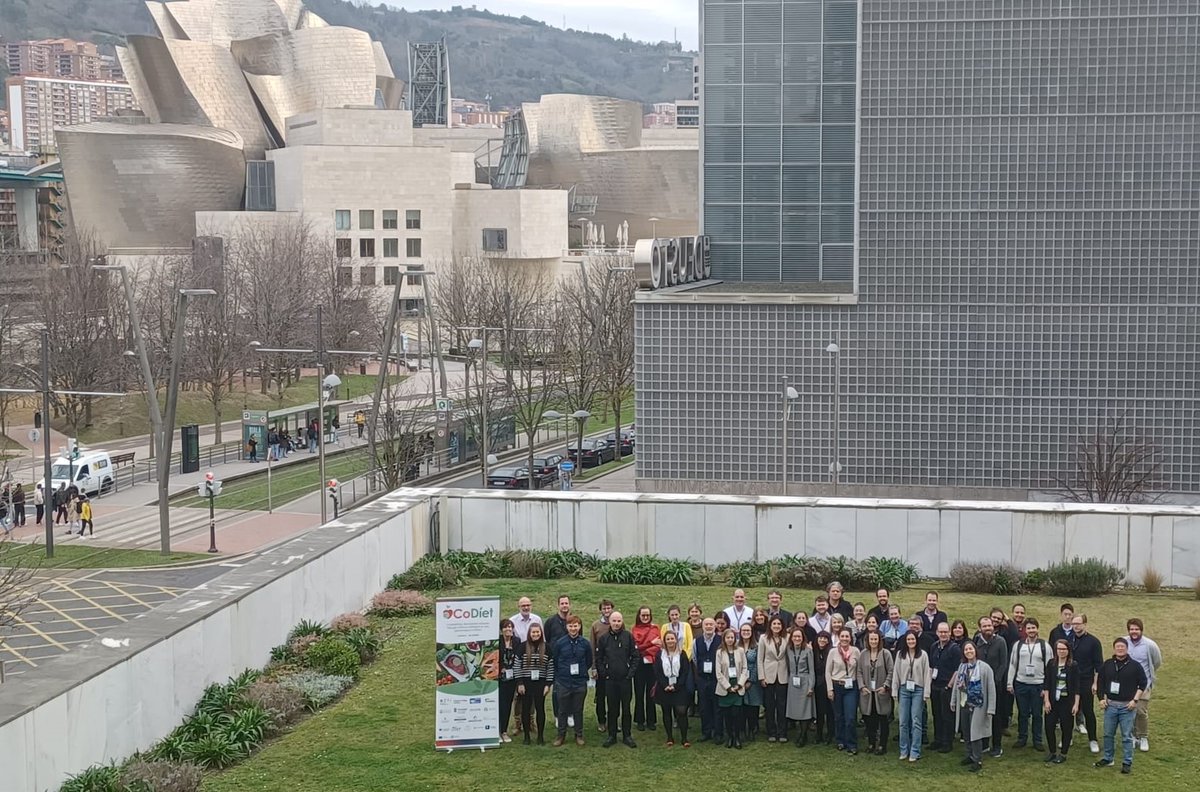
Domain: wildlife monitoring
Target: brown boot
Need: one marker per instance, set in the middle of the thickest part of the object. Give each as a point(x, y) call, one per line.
point(558, 741)
point(579, 741)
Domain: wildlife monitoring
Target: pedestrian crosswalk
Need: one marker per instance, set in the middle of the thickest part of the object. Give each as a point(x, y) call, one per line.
point(137, 527)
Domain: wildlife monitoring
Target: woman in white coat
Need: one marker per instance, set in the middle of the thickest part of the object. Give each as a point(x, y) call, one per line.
point(973, 700)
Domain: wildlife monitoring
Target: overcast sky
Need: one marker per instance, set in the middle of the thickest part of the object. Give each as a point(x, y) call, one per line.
point(644, 20)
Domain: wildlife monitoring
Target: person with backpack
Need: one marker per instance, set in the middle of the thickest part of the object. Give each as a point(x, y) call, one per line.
point(60, 501)
point(18, 501)
point(1027, 675)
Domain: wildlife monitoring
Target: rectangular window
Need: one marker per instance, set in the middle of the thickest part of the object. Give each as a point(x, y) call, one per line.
point(391, 248)
point(366, 219)
point(412, 248)
point(345, 276)
point(495, 239)
point(366, 248)
point(390, 275)
point(366, 276)
point(412, 219)
point(341, 219)
point(390, 219)
point(342, 248)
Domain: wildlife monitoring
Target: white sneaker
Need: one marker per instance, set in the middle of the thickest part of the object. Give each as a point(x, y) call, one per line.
point(1144, 744)
point(1082, 729)
point(1094, 746)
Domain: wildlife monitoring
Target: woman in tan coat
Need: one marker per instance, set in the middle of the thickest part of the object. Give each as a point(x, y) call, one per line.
point(732, 675)
point(875, 696)
point(773, 676)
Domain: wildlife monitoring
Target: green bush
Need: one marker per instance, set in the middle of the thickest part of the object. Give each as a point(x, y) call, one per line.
point(282, 704)
point(333, 656)
point(489, 564)
point(803, 573)
point(214, 751)
point(889, 573)
point(101, 778)
point(306, 628)
point(1078, 577)
point(318, 689)
point(429, 573)
point(1033, 580)
point(141, 775)
point(173, 747)
point(364, 641)
point(647, 571)
point(986, 578)
point(745, 574)
point(247, 728)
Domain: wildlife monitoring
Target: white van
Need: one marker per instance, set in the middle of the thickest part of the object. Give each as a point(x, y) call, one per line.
point(92, 472)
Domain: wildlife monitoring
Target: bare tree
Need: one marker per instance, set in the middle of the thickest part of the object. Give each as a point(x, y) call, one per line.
point(1113, 466)
point(350, 314)
point(403, 439)
point(615, 340)
point(219, 342)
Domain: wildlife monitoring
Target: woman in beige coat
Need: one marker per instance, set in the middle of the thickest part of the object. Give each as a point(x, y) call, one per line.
point(732, 676)
point(973, 701)
point(875, 691)
point(773, 676)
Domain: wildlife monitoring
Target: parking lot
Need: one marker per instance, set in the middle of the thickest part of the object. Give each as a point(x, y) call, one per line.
point(71, 609)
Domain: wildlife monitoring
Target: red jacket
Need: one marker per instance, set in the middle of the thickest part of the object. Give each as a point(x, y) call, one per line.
point(644, 636)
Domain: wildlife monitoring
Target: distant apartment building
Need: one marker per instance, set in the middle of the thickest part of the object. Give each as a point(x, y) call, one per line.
point(687, 113)
point(79, 60)
point(37, 105)
point(662, 115)
point(466, 113)
point(4, 130)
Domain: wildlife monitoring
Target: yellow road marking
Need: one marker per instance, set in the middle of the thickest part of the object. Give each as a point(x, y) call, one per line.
point(70, 618)
point(17, 621)
point(85, 598)
point(127, 594)
point(16, 654)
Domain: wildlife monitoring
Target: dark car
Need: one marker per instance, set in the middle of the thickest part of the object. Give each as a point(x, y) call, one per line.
point(595, 453)
point(628, 443)
point(508, 478)
point(545, 469)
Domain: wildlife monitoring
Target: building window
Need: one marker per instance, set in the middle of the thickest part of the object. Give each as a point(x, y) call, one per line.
point(495, 239)
point(412, 219)
point(366, 219)
point(390, 219)
point(345, 276)
point(366, 276)
point(391, 248)
point(391, 275)
point(260, 186)
point(342, 248)
point(366, 248)
point(341, 219)
point(412, 248)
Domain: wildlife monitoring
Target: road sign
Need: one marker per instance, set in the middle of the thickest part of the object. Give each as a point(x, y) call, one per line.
point(566, 467)
point(35, 435)
point(444, 405)
point(441, 431)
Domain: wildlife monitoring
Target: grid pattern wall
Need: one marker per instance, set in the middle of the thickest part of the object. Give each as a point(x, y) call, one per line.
point(780, 103)
point(1029, 232)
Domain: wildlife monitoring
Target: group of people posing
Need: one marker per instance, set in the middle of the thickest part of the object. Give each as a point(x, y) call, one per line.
point(817, 676)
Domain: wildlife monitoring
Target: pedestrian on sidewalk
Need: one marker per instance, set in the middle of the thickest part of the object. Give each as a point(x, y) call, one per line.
point(360, 420)
point(85, 515)
point(59, 503)
point(252, 447)
point(18, 499)
point(39, 503)
point(5, 522)
point(313, 428)
point(273, 443)
point(76, 514)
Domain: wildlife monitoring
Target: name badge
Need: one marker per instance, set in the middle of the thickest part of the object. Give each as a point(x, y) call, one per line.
point(910, 686)
point(1114, 688)
point(1029, 669)
point(535, 675)
point(872, 684)
point(647, 660)
point(733, 672)
point(574, 670)
point(708, 667)
point(671, 681)
point(591, 684)
point(849, 682)
point(933, 673)
point(797, 681)
point(571, 721)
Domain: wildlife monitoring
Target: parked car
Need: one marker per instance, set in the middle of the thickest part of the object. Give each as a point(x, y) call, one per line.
point(545, 469)
point(595, 453)
point(508, 478)
point(628, 443)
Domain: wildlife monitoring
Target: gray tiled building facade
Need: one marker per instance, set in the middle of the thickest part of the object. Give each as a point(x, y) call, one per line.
point(1025, 262)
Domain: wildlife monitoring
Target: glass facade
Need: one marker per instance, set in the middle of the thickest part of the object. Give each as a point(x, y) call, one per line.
point(1029, 232)
point(780, 105)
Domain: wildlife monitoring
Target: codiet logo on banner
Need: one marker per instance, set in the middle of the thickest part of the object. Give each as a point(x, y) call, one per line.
point(660, 263)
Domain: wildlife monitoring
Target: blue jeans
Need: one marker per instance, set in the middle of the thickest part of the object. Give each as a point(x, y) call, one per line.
point(1029, 708)
point(845, 717)
point(1116, 715)
point(912, 720)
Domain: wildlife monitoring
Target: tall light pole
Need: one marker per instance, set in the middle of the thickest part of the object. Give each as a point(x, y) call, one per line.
point(835, 467)
point(789, 397)
point(135, 321)
point(484, 396)
point(654, 226)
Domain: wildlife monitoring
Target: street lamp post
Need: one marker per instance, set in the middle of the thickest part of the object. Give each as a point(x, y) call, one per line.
point(789, 397)
point(835, 467)
point(485, 429)
point(654, 226)
point(581, 416)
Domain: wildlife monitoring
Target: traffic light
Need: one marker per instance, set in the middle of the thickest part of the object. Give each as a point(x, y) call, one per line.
point(73, 448)
point(333, 487)
point(211, 486)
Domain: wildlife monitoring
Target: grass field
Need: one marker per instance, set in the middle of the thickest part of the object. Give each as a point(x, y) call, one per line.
point(287, 483)
point(380, 737)
point(82, 556)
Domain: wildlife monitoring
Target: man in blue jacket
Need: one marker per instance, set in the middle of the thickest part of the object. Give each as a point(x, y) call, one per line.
point(704, 656)
point(572, 658)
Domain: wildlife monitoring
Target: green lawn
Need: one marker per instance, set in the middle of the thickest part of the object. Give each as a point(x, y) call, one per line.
point(126, 416)
point(380, 737)
point(76, 556)
point(600, 470)
point(287, 483)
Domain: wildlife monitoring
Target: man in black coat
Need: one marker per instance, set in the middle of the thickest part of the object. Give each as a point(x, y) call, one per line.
point(617, 659)
point(993, 650)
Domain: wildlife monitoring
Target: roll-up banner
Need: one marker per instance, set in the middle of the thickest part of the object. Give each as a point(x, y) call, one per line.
point(467, 707)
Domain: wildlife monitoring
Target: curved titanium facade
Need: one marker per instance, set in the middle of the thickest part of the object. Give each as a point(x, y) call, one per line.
point(222, 22)
point(140, 185)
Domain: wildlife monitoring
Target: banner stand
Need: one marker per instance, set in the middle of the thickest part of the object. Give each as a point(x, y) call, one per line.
point(467, 697)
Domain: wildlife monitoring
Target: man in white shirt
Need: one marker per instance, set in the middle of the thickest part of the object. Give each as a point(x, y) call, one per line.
point(1149, 657)
point(524, 619)
point(738, 613)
